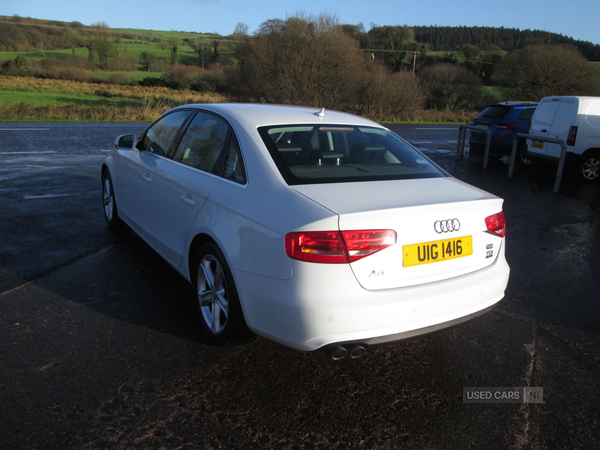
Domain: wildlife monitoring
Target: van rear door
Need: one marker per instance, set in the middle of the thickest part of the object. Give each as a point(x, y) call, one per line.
point(541, 123)
point(564, 118)
point(553, 118)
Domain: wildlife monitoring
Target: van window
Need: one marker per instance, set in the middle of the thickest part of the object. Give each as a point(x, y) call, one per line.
point(545, 113)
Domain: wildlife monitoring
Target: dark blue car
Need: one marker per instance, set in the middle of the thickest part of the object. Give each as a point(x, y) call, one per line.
point(505, 120)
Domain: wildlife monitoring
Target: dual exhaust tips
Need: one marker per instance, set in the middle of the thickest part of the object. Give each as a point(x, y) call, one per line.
point(341, 351)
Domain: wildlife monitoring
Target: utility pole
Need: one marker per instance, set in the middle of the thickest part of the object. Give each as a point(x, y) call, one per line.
point(414, 62)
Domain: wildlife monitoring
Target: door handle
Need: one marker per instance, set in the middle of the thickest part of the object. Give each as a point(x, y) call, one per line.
point(544, 131)
point(147, 178)
point(187, 200)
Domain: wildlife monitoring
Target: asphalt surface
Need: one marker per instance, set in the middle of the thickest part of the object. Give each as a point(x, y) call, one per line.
point(99, 348)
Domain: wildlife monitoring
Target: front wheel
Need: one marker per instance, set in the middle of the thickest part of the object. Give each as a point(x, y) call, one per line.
point(109, 204)
point(217, 304)
point(589, 166)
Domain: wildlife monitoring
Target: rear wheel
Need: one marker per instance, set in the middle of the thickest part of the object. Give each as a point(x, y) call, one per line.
point(589, 166)
point(520, 159)
point(218, 305)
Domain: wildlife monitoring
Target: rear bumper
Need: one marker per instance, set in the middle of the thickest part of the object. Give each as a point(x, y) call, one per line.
point(390, 339)
point(308, 315)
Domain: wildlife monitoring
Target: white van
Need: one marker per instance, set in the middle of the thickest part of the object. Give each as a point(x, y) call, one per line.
point(575, 120)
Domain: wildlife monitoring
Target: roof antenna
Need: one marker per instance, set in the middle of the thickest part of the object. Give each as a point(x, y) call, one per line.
point(321, 113)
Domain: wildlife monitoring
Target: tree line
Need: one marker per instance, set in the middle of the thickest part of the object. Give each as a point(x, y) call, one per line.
point(19, 34)
point(453, 38)
point(385, 73)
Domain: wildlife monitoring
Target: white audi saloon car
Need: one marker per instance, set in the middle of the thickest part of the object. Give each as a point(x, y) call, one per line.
point(313, 228)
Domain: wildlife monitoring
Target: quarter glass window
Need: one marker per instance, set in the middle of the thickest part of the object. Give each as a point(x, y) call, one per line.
point(234, 168)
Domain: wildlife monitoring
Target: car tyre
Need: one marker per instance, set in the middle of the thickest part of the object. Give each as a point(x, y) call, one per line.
point(109, 204)
point(521, 160)
point(589, 166)
point(217, 302)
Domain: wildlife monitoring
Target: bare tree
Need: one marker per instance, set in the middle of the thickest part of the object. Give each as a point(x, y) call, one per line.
point(298, 61)
point(241, 29)
point(538, 71)
point(103, 43)
point(449, 86)
point(310, 61)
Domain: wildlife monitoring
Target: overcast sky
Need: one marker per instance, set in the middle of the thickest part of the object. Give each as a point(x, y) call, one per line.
point(579, 19)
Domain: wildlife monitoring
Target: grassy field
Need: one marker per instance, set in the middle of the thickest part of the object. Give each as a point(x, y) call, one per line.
point(33, 99)
point(136, 42)
point(26, 99)
point(186, 53)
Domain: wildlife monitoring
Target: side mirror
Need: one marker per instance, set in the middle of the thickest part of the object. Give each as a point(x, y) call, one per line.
point(125, 141)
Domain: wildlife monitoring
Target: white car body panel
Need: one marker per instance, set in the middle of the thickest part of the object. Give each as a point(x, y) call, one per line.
point(133, 178)
point(307, 312)
point(179, 192)
point(410, 208)
point(308, 305)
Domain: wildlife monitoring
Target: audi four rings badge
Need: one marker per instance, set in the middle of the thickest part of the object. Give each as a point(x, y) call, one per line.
point(446, 226)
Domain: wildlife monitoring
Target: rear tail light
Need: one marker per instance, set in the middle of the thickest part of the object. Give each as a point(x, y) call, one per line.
point(334, 247)
point(366, 242)
point(572, 136)
point(505, 126)
point(496, 224)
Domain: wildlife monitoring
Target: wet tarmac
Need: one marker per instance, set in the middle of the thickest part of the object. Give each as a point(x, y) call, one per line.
point(99, 348)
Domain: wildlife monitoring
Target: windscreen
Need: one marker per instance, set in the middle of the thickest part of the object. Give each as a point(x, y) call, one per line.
point(311, 154)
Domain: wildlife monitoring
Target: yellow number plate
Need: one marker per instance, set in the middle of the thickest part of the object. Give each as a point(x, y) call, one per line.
point(539, 145)
point(436, 251)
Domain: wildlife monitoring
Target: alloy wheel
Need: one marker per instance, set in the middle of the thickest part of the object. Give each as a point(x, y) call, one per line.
point(212, 294)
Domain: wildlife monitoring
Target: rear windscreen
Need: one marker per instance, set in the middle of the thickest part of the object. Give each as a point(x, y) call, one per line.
point(496, 111)
point(310, 154)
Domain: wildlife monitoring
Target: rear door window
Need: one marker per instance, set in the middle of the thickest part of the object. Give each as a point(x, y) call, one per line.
point(203, 142)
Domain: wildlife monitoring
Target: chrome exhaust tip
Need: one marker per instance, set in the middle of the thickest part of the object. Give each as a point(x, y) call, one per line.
point(338, 352)
point(356, 351)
